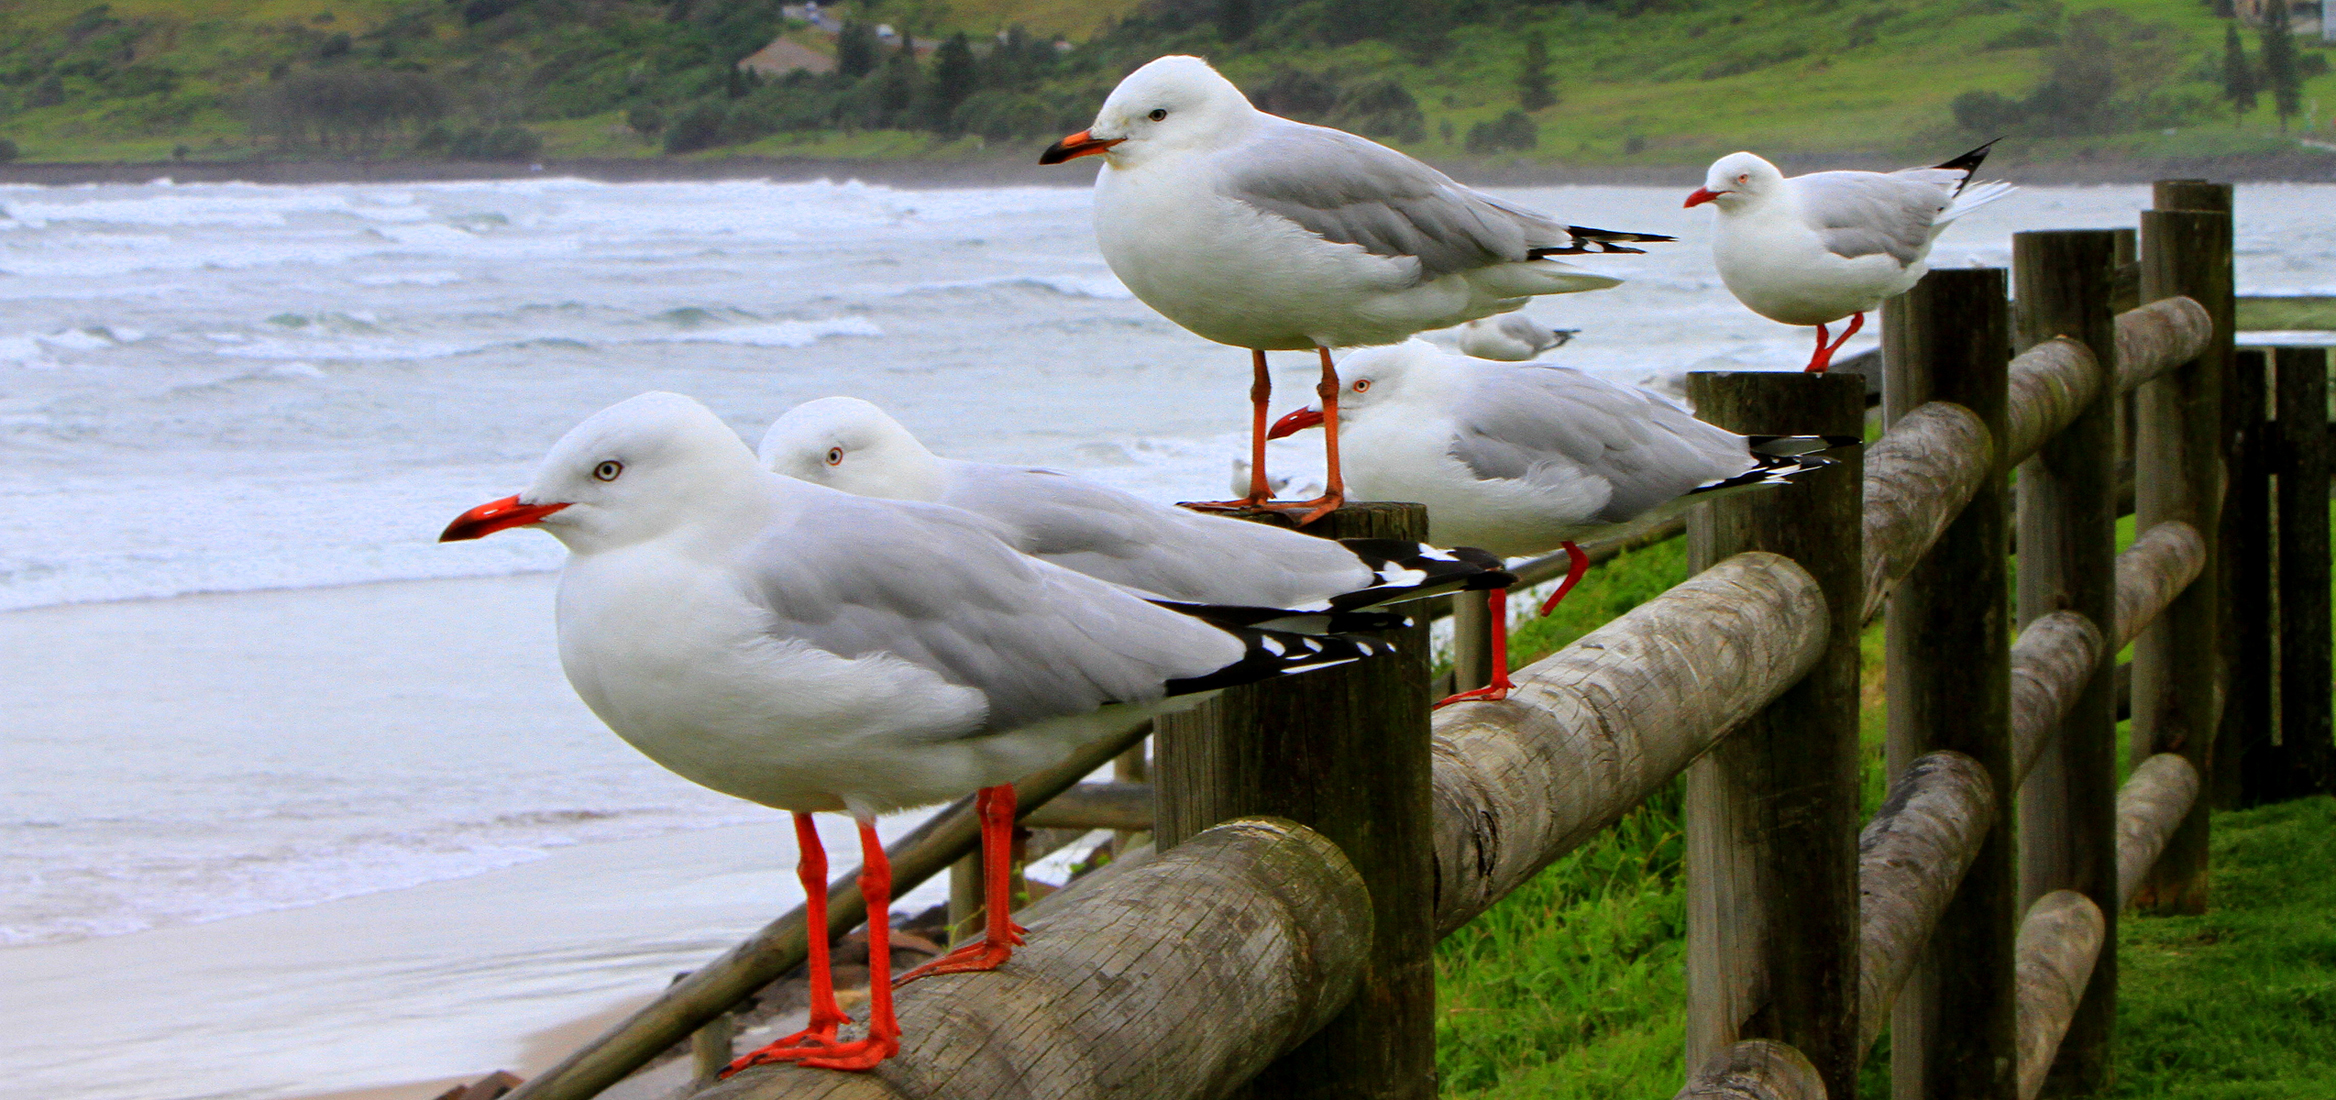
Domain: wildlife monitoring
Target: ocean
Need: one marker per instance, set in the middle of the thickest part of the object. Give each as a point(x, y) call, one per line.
point(233, 419)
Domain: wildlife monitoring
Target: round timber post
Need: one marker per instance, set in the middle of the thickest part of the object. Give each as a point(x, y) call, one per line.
point(1953, 1030)
point(1344, 752)
point(2186, 443)
point(2068, 551)
point(1772, 810)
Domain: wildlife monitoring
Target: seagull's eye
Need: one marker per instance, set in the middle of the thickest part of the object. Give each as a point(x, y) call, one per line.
point(1745, 178)
point(835, 456)
point(1157, 114)
point(608, 470)
point(1362, 385)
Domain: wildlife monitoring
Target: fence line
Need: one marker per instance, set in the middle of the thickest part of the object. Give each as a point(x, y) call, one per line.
point(1594, 729)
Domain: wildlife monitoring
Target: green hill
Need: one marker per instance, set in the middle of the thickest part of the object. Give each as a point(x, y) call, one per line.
point(1655, 82)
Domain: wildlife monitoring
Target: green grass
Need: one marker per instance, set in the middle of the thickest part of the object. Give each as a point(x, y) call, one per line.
point(2292, 314)
point(1573, 986)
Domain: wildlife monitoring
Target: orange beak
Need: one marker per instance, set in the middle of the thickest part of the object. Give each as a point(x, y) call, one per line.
point(1295, 422)
point(1081, 144)
point(495, 515)
point(1701, 196)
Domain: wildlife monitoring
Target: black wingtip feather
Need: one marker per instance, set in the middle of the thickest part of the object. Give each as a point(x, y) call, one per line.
point(1271, 653)
point(1968, 163)
point(1589, 239)
point(1394, 561)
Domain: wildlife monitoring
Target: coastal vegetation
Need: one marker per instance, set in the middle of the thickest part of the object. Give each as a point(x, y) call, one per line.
point(1574, 986)
point(1614, 81)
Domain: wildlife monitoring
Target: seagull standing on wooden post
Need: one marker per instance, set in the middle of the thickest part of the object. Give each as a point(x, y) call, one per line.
point(1525, 458)
point(811, 650)
point(1262, 233)
point(1811, 250)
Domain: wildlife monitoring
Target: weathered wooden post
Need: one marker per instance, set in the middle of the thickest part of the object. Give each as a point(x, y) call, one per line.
point(1772, 810)
point(2184, 445)
point(1952, 1032)
point(2068, 551)
point(2243, 748)
point(1472, 628)
point(1344, 752)
point(2306, 755)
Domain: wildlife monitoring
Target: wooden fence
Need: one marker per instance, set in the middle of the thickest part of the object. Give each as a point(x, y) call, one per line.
point(1317, 836)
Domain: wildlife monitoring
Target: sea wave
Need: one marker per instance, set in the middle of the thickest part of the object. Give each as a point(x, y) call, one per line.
point(777, 334)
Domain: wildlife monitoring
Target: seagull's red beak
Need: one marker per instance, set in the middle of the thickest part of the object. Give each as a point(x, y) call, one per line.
point(1702, 195)
point(495, 515)
point(1295, 422)
point(1081, 144)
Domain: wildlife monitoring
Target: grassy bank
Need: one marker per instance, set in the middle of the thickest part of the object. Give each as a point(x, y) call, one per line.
point(1573, 986)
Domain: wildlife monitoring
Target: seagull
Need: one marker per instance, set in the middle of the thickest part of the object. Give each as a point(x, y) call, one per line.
point(1511, 338)
point(1166, 554)
point(1262, 233)
point(1811, 250)
point(811, 650)
point(1522, 459)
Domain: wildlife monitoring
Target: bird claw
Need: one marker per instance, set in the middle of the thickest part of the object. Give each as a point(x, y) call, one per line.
point(1490, 693)
point(973, 958)
point(862, 1054)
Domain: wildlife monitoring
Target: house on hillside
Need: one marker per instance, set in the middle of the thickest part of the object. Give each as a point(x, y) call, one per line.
point(783, 56)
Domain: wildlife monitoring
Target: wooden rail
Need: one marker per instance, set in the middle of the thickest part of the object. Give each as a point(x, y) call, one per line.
point(1806, 932)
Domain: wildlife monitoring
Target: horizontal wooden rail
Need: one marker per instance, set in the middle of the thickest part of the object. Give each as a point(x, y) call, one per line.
point(2158, 337)
point(2062, 936)
point(2050, 383)
point(1919, 476)
point(782, 945)
point(1910, 857)
point(1593, 729)
point(2050, 663)
point(2150, 804)
point(2058, 942)
point(1126, 806)
point(1755, 1069)
point(2152, 571)
point(1180, 978)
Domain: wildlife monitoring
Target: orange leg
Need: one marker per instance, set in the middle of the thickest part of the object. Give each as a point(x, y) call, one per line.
point(883, 1039)
point(1334, 482)
point(1824, 356)
point(1500, 685)
point(1000, 935)
point(1260, 398)
point(1577, 562)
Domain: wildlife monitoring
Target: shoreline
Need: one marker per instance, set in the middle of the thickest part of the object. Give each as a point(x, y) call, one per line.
point(1024, 171)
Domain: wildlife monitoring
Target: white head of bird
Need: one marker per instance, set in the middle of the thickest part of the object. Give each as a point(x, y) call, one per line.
point(846, 443)
point(637, 470)
point(1380, 378)
point(1172, 105)
point(1738, 181)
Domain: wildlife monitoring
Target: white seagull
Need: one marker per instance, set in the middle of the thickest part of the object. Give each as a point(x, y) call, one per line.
point(1523, 459)
point(1262, 233)
point(1811, 250)
point(812, 650)
point(1161, 552)
point(1511, 338)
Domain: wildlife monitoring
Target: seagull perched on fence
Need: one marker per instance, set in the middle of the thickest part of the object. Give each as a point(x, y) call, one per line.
point(1511, 338)
point(1161, 552)
point(812, 650)
point(1811, 250)
point(1263, 233)
point(1523, 459)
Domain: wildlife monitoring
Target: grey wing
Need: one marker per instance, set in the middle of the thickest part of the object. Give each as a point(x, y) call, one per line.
point(936, 588)
point(1165, 551)
point(1863, 213)
point(1356, 191)
point(1547, 424)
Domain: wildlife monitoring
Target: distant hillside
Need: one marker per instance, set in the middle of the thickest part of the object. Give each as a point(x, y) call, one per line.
point(1653, 82)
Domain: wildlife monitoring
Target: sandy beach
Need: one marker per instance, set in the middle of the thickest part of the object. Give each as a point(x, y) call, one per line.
point(403, 990)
